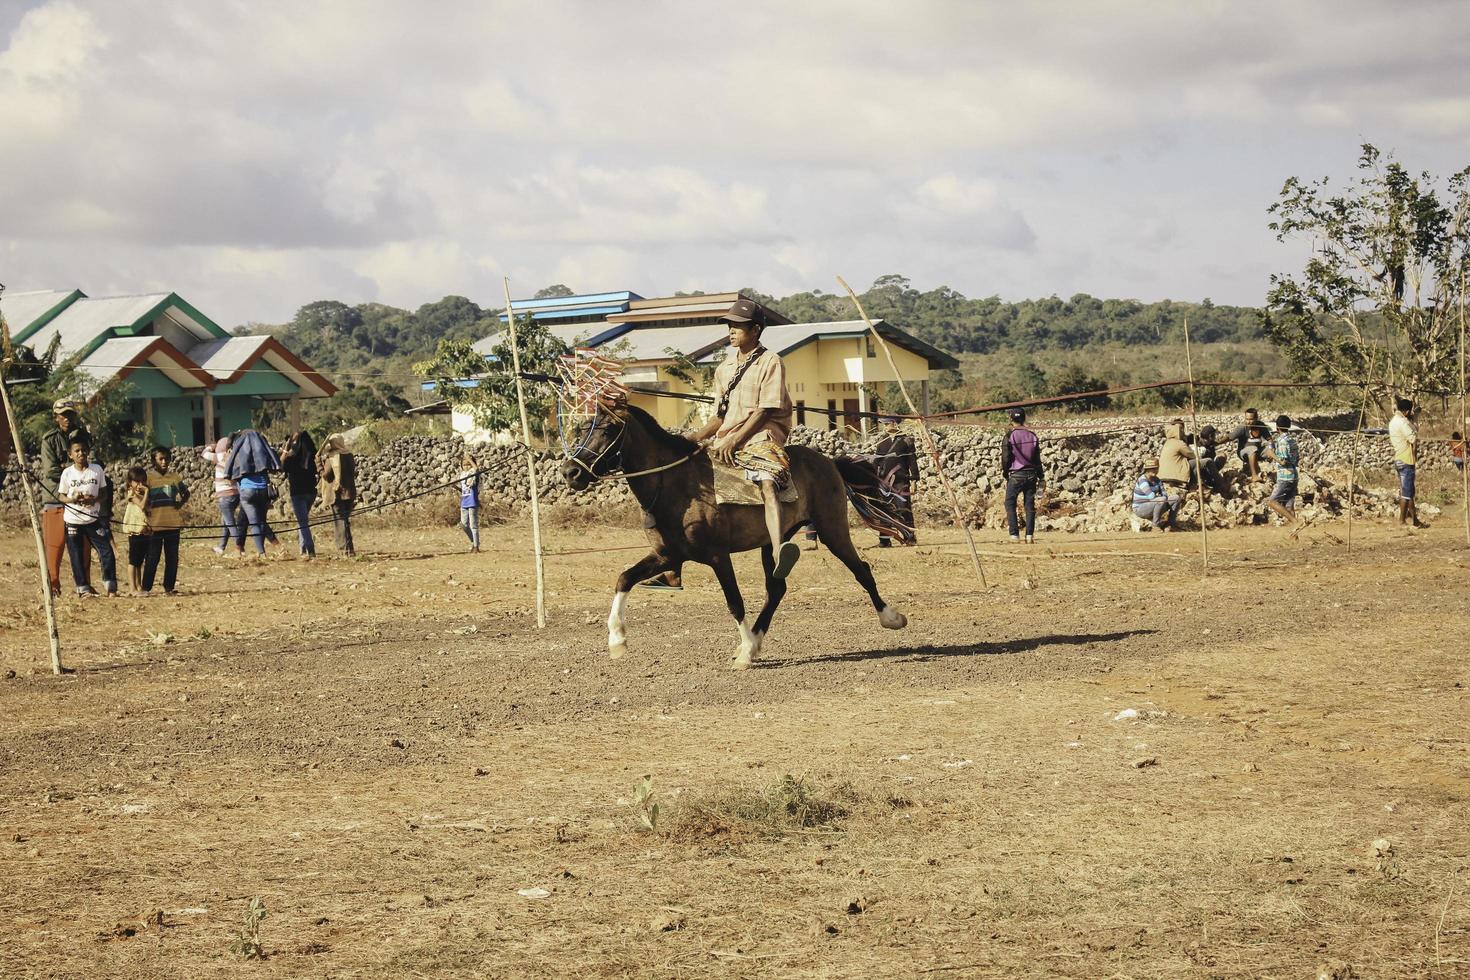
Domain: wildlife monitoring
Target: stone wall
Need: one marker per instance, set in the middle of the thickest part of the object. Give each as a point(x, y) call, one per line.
point(1085, 469)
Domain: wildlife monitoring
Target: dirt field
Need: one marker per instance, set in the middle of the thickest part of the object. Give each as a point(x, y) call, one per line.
point(415, 781)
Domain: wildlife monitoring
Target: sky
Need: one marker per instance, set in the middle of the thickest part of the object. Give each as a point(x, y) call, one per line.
point(257, 156)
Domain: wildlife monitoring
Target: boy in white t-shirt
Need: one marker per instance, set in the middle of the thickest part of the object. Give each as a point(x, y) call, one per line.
point(80, 489)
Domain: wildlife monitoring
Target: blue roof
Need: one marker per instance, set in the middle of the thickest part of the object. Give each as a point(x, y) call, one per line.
point(623, 296)
point(600, 311)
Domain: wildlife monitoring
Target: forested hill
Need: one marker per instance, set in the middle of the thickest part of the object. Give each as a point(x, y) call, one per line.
point(379, 339)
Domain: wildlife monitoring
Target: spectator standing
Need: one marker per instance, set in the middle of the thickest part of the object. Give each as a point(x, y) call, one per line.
point(1405, 439)
point(80, 489)
point(897, 465)
point(251, 460)
point(135, 525)
point(469, 501)
point(227, 498)
point(1284, 451)
point(1457, 450)
point(1250, 442)
point(1152, 500)
point(55, 455)
point(1176, 458)
point(1020, 463)
point(167, 495)
point(339, 489)
point(298, 460)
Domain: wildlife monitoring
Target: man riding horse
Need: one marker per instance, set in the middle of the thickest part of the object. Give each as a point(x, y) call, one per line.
point(753, 419)
point(672, 478)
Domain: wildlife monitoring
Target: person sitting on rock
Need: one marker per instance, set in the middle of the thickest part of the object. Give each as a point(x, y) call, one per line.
point(1152, 500)
point(1250, 442)
point(1177, 464)
point(1209, 461)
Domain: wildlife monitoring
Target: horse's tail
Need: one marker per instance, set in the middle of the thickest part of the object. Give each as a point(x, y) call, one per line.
point(882, 506)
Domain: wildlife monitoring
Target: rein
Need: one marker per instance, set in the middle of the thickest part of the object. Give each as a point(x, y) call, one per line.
point(575, 457)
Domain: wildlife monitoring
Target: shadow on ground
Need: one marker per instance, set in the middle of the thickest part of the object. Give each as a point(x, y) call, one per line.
point(929, 652)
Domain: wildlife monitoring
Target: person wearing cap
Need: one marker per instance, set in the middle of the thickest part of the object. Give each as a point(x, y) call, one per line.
point(753, 419)
point(1152, 500)
point(1405, 439)
point(1284, 451)
point(898, 470)
point(55, 457)
point(1020, 464)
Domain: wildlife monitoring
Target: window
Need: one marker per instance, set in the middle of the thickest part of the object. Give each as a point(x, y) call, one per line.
point(800, 412)
point(831, 414)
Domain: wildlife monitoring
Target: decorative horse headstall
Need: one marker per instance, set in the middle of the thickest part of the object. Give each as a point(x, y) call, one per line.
point(592, 399)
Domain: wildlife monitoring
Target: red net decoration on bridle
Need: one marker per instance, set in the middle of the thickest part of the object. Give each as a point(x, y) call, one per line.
point(590, 382)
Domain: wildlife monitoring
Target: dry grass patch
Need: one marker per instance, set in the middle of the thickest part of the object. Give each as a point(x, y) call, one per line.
point(789, 805)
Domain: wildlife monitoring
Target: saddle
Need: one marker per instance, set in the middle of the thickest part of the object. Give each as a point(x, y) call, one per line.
point(731, 487)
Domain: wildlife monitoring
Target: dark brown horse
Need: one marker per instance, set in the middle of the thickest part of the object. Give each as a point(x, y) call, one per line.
point(673, 480)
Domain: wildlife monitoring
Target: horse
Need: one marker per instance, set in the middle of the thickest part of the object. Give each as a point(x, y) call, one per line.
point(672, 479)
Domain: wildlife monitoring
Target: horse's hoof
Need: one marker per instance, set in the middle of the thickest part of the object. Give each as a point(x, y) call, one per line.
point(892, 619)
point(617, 651)
point(741, 661)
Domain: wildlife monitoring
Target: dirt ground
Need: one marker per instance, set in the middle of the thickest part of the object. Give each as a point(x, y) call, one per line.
point(416, 781)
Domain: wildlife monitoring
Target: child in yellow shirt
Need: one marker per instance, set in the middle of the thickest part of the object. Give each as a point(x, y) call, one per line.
point(135, 524)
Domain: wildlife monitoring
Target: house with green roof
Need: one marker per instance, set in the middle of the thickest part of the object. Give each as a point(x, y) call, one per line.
point(187, 380)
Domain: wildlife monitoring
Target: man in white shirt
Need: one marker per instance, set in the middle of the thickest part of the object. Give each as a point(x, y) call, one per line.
point(80, 489)
point(1405, 440)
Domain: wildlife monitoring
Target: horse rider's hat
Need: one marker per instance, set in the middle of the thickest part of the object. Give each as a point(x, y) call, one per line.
point(745, 311)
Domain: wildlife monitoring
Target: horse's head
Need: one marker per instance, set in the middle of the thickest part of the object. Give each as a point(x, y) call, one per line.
point(597, 451)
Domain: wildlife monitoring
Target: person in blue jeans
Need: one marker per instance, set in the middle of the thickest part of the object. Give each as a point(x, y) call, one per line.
point(1283, 450)
point(469, 501)
point(1020, 463)
point(298, 460)
point(80, 489)
point(251, 459)
point(227, 498)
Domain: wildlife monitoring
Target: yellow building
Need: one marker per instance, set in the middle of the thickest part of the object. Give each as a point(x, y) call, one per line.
point(830, 367)
point(671, 344)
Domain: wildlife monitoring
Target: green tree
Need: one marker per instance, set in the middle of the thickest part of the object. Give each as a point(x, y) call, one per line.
point(484, 387)
point(1074, 378)
point(1384, 280)
point(553, 291)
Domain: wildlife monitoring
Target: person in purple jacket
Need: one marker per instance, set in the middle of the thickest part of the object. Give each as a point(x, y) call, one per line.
point(1020, 463)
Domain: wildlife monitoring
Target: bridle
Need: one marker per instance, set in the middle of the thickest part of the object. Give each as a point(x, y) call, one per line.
point(616, 424)
point(607, 452)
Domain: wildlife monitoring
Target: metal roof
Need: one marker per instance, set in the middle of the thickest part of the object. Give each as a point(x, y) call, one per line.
point(222, 358)
point(23, 309)
point(121, 355)
point(653, 343)
point(84, 321)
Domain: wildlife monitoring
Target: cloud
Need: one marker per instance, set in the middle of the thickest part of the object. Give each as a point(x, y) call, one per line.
point(260, 156)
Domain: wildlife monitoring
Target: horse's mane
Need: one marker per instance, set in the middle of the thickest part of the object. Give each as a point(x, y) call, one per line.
point(658, 433)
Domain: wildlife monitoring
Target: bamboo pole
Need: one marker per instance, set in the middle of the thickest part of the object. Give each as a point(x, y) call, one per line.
point(929, 444)
point(1464, 469)
point(30, 500)
point(515, 357)
point(1357, 437)
point(1199, 473)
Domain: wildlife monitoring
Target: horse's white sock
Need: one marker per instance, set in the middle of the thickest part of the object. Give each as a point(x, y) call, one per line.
point(617, 638)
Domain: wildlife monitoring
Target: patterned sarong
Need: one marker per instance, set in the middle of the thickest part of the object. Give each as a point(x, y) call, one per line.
point(882, 506)
point(764, 460)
